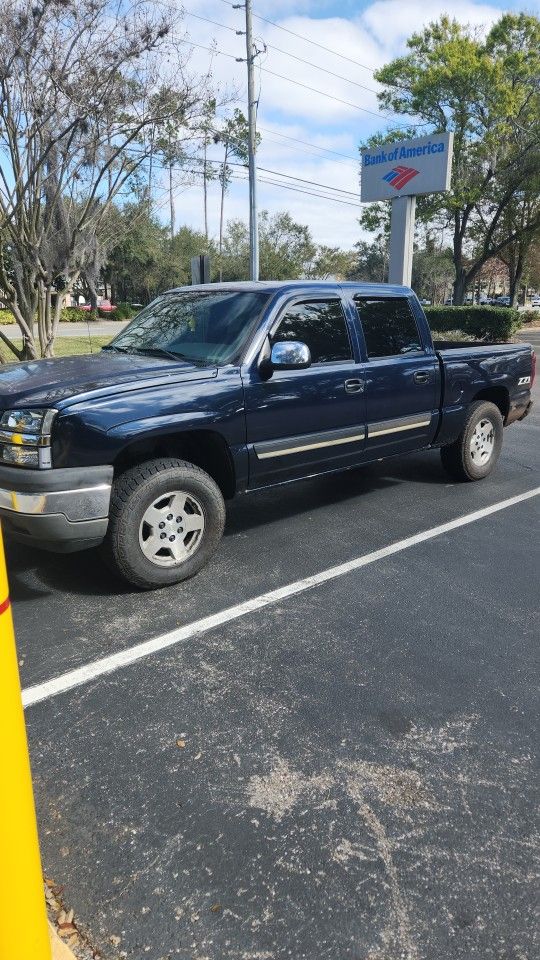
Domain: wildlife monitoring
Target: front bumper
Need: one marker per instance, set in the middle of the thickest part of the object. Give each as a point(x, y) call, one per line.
point(61, 510)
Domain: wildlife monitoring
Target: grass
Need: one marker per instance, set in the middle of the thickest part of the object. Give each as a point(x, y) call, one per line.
point(63, 347)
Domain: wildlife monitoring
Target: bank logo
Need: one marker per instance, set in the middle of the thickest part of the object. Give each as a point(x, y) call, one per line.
point(400, 176)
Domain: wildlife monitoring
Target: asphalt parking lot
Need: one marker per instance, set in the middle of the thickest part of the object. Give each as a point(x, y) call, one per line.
point(348, 772)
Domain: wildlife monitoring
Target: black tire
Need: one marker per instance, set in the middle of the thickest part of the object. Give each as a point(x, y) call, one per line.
point(134, 493)
point(458, 459)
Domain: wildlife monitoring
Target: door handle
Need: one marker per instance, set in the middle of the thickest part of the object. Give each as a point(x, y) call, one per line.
point(354, 386)
point(421, 376)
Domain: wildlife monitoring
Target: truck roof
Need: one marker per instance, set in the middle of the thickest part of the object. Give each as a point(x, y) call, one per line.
point(284, 286)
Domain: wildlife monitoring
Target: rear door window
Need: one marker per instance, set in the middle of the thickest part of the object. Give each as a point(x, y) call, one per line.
point(389, 325)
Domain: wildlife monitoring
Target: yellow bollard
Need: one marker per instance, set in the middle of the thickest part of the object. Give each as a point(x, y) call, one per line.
point(24, 932)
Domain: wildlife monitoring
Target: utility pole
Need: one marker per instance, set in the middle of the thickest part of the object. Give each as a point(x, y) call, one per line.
point(252, 122)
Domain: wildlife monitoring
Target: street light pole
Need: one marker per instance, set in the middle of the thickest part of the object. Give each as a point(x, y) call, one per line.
point(252, 124)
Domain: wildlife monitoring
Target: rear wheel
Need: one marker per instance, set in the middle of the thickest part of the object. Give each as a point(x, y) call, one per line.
point(166, 520)
point(476, 451)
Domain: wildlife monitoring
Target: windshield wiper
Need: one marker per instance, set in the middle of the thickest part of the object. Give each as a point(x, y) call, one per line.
point(112, 346)
point(162, 352)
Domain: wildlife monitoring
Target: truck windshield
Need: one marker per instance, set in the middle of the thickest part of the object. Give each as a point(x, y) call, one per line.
point(204, 327)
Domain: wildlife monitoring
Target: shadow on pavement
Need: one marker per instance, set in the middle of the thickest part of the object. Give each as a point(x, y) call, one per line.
point(86, 573)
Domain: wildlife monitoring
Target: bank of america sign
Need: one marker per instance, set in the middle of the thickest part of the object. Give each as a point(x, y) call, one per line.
point(385, 175)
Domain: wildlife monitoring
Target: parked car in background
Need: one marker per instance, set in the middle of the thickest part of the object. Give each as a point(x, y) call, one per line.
point(425, 303)
point(502, 301)
point(105, 305)
point(228, 388)
point(535, 302)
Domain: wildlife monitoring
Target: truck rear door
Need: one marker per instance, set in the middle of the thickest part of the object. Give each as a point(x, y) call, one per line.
point(401, 375)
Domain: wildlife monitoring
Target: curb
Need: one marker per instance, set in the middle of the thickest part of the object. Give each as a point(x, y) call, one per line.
point(59, 950)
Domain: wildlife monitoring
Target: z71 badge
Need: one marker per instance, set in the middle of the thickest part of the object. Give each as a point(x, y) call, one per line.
point(523, 381)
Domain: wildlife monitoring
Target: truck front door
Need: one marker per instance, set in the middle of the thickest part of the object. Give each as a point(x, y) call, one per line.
point(303, 421)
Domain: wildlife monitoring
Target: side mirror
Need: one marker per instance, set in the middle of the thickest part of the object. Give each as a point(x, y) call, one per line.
point(290, 355)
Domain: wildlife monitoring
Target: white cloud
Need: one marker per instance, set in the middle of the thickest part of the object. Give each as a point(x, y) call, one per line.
point(391, 22)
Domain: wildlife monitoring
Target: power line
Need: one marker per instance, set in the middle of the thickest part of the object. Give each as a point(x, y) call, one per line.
point(309, 153)
point(322, 93)
point(313, 183)
point(307, 40)
point(297, 83)
point(286, 53)
point(317, 66)
point(232, 163)
point(237, 175)
point(307, 144)
point(310, 193)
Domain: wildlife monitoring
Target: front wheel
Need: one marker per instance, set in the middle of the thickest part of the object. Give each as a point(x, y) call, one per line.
point(476, 451)
point(166, 520)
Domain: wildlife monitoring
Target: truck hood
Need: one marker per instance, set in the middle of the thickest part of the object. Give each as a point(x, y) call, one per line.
point(48, 382)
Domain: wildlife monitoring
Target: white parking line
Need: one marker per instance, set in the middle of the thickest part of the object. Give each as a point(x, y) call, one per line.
point(82, 675)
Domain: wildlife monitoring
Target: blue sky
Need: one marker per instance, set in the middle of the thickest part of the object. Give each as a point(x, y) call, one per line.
point(307, 135)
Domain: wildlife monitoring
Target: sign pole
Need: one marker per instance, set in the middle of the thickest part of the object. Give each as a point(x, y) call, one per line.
point(24, 934)
point(401, 240)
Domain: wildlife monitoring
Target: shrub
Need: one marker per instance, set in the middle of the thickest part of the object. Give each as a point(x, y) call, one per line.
point(529, 316)
point(483, 323)
point(68, 315)
point(72, 315)
point(124, 311)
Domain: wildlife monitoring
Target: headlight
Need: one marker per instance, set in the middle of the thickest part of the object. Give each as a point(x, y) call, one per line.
point(25, 437)
point(28, 421)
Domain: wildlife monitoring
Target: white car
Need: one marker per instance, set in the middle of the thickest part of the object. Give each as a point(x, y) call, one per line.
point(535, 302)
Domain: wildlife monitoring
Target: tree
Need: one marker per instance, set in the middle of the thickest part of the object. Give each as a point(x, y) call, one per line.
point(370, 263)
point(145, 261)
point(330, 263)
point(169, 134)
point(432, 272)
point(175, 269)
point(133, 262)
point(286, 249)
point(76, 85)
point(533, 265)
point(234, 135)
point(522, 211)
point(487, 92)
point(207, 137)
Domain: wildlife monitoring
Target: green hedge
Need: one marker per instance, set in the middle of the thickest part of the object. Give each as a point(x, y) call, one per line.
point(125, 311)
point(72, 315)
point(482, 323)
point(68, 315)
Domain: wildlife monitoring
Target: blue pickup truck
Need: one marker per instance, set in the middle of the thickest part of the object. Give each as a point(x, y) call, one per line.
point(217, 390)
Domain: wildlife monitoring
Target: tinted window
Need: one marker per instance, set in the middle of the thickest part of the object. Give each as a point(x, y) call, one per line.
point(210, 327)
point(321, 324)
point(389, 326)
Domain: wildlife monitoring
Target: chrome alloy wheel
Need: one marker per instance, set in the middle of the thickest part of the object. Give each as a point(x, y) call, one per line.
point(482, 442)
point(171, 529)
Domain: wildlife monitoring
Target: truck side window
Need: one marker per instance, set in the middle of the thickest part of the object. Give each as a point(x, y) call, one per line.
point(321, 325)
point(389, 326)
